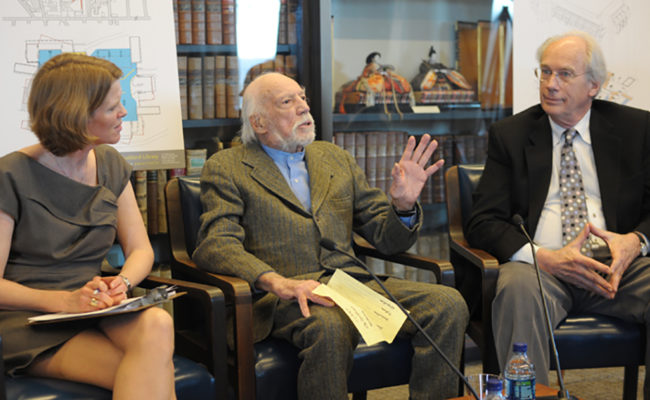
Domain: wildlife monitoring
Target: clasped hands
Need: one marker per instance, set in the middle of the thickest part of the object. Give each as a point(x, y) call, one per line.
point(570, 265)
point(96, 294)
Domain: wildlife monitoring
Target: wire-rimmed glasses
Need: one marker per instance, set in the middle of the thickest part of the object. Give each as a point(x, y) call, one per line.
point(563, 76)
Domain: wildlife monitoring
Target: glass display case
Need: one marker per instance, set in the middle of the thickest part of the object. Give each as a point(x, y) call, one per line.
point(401, 68)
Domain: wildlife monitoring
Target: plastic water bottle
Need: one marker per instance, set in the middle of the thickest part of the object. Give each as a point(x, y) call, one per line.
point(494, 389)
point(520, 375)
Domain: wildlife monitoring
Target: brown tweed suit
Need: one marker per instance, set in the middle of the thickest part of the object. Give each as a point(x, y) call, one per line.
point(253, 224)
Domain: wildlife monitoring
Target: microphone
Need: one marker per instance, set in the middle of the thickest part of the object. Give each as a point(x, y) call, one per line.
point(563, 393)
point(330, 245)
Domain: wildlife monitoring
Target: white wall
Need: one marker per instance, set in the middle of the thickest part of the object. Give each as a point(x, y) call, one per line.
point(620, 26)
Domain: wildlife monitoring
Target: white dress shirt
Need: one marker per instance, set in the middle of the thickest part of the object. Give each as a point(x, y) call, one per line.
point(549, 228)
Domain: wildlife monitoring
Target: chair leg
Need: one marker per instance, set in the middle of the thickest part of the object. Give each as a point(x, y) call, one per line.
point(359, 395)
point(461, 384)
point(630, 381)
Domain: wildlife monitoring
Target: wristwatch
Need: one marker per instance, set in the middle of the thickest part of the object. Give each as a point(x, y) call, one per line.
point(126, 280)
point(644, 243)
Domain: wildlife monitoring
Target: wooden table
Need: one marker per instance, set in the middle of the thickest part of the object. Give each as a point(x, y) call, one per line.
point(540, 390)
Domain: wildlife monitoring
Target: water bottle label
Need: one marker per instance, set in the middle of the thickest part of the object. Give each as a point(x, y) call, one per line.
point(520, 390)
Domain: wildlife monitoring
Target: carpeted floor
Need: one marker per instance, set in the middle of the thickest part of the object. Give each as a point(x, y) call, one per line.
point(586, 384)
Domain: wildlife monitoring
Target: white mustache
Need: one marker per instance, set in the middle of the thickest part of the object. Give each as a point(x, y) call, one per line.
point(307, 118)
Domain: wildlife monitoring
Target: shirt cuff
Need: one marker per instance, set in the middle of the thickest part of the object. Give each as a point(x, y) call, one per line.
point(408, 218)
point(524, 254)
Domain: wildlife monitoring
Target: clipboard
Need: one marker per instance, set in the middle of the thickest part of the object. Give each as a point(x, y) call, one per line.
point(156, 296)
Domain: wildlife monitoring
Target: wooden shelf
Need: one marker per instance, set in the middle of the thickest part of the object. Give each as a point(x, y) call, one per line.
point(207, 123)
point(224, 48)
point(447, 113)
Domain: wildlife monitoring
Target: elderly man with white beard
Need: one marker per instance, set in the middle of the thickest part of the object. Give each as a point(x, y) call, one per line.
point(268, 203)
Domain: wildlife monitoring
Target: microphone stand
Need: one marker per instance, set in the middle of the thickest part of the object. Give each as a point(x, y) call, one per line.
point(563, 393)
point(330, 245)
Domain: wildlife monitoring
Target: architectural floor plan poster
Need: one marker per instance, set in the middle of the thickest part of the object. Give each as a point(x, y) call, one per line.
point(620, 26)
point(136, 35)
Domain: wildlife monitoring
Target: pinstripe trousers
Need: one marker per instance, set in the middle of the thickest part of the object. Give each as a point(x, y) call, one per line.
point(327, 340)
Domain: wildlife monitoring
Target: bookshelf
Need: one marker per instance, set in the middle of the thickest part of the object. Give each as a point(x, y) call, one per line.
point(207, 34)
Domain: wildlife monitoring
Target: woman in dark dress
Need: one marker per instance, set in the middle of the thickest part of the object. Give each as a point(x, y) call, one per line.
point(63, 202)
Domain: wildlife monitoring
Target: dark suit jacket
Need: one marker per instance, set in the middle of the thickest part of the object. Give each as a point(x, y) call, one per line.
point(518, 172)
point(253, 223)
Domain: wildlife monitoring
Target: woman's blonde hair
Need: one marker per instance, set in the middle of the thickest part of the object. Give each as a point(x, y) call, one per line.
point(65, 91)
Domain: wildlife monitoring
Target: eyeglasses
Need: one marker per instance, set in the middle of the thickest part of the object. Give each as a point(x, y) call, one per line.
point(563, 75)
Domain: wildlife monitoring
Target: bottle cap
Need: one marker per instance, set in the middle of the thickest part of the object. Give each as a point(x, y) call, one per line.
point(494, 385)
point(519, 347)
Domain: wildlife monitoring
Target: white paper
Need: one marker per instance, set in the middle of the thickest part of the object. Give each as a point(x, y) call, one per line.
point(376, 317)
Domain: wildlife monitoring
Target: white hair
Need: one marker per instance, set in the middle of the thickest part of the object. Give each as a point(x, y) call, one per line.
point(596, 68)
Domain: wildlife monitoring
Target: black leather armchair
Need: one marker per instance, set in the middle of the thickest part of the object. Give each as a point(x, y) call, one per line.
point(198, 374)
point(583, 340)
point(268, 369)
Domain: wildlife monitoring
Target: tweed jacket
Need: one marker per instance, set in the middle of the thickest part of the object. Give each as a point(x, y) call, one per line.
point(253, 223)
point(518, 173)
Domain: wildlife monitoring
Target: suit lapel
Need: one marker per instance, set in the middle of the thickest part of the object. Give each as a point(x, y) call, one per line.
point(539, 158)
point(606, 146)
point(320, 175)
point(266, 173)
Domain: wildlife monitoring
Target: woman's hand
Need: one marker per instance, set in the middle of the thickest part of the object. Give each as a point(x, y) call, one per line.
point(94, 295)
point(116, 288)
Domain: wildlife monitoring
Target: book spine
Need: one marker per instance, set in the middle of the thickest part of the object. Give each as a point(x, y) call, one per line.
point(195, 87)
point(228, 27)
point(279, 64)
point(360, 150)
point(292, 22)
point(194, 161)
point(232, 87)
point(184, 21)
point(282, 26)
point(140, 188)
point(209, 107)
point(162, 207)
point(198, 21)
point(213, 22)
point(220, 86)
point(182, 84)
point(291, 66)
point(391, 151)
point(152, 201)
point(173, 173)
point(382, 159)
point(371, 159)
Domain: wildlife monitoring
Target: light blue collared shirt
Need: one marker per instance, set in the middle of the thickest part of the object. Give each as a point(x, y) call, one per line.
point(294, 169)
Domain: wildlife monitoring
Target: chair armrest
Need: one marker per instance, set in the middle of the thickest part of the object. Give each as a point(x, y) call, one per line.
point(200, 331)
point(476, 278)
point(442, 269)
point(239, 304)
point(476, 257)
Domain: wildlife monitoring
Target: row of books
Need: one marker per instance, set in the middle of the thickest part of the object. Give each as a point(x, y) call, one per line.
point(149, 188)
point(377, 151)
point(214, 22)
point(209, 85)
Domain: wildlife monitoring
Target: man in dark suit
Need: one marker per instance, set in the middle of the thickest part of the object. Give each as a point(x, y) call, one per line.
point(598, 264)
point(269, 202)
